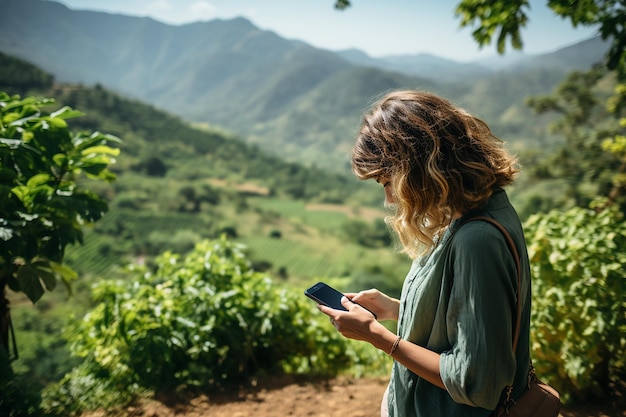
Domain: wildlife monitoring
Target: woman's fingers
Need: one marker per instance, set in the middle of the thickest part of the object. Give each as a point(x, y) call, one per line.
point(365, 295)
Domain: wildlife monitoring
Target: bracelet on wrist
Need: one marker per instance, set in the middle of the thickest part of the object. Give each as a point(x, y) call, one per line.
point(395, 345)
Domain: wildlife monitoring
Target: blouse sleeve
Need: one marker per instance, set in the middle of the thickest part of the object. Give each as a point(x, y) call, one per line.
point(481, 361)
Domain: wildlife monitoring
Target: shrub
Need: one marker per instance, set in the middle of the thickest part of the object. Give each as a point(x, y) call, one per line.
point(579, 280)
point(86, 387)
point(204, 320)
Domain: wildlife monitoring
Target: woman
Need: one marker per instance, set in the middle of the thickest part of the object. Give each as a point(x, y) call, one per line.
point(453, 352)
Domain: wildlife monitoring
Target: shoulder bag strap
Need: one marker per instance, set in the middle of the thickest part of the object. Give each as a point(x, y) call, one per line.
point(513, 249)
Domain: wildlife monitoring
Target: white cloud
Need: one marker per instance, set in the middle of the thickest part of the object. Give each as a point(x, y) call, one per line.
point(203, 10)
point(178, 12)
point(159, 6)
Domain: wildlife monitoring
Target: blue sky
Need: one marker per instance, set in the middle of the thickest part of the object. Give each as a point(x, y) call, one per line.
point(377, 27)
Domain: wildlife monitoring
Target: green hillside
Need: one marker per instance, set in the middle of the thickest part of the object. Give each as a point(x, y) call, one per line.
point(178, 184)
point(288, 98)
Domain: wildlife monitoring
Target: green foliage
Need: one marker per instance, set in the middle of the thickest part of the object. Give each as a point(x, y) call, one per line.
point(342, 4)
point(42, 208)
point(586, 162)
point(204, 320)
point(508, 18)
point(44, 355)
point(371, 235)
point(579, 309)
point(86, 387)
point(574, 98)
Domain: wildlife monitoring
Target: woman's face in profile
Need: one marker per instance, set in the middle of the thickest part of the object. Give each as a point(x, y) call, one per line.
point(386, 183)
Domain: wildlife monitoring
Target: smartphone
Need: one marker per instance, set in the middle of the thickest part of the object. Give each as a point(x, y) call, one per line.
point(324, 294)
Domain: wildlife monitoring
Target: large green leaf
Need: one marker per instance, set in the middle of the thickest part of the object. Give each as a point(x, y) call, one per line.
point(66, 112)
point(67, 274)
point(46, 274)
point(39, 179)
point(28, 277)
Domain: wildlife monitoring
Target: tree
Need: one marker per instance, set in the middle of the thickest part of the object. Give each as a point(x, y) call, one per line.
point(155, 167)
point(617, 147)
point(43, 207)
point(589, 162)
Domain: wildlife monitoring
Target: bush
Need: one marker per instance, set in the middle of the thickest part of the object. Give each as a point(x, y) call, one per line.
point(579, 281)
point(369, 234)
point(204, 320)
point(86, 387)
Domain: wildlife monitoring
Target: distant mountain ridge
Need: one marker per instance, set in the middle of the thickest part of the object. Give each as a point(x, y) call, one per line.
point(574, 57)
point(288, 97)
point(425, 64)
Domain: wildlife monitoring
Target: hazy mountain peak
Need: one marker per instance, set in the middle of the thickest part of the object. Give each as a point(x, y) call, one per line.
point(420, 55)
point(285, 95)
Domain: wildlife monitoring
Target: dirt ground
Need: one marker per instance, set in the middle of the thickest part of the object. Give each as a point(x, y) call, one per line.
point(299, 397)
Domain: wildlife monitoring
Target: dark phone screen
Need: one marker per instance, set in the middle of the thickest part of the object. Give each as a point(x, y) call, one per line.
point(324, 294)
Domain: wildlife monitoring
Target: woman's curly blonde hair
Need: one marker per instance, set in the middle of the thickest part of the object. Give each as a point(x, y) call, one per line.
point(440, 161)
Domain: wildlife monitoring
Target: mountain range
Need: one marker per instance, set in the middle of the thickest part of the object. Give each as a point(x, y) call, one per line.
point(289, 98)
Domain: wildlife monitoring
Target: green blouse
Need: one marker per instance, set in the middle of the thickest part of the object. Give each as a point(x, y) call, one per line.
point(459, 301)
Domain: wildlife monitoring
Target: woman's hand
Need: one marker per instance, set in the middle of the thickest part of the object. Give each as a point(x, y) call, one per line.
point(357, 323)
point(385, 307)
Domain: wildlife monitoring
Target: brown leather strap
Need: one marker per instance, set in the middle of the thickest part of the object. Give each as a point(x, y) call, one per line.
point(513, 249)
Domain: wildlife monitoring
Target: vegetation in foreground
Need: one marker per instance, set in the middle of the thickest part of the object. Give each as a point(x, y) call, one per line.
point(584, 271)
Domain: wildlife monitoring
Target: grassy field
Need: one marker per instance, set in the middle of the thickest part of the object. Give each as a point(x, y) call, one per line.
point(312, 244)
point(296, 241)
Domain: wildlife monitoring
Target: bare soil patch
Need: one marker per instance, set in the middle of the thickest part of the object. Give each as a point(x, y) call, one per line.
point(299, 397)
point(246, 187)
